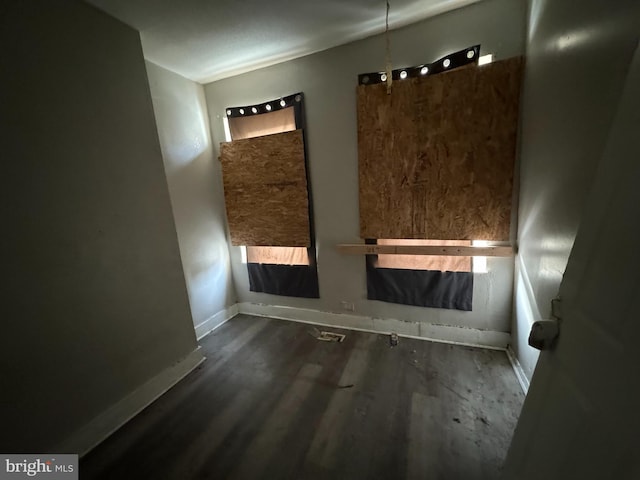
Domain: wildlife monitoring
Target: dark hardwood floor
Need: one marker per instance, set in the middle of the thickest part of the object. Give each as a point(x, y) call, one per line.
point(273, 402)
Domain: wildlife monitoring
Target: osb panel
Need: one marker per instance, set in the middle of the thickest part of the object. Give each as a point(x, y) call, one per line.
point(442, 263)
point(265, 190)
point(436, 157)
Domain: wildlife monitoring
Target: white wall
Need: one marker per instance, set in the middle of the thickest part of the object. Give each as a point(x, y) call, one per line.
point(196, 193)
point(577, 60)
point(94, 302)
point(328, 80)
point(580, 419)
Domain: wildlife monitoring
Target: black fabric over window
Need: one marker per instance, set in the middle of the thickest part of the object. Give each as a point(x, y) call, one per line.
point(276, 279)
point(422, 288)
point(287, 280)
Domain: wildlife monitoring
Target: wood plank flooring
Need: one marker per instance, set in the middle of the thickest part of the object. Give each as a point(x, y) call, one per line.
point(273, 402)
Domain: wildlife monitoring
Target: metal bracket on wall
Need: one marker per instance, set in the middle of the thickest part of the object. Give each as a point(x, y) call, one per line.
point(556, 308)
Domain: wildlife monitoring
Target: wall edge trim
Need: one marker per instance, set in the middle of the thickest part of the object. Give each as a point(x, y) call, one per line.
point(215, 321)
point(518, 370)
point(469, 337)
point(531, 298)
point(89, 436)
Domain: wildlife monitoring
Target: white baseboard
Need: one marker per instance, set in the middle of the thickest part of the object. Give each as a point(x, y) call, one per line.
point(517, 368)
point(205, 328)
point(97, 430)
point(423, 331)
point(526, 312)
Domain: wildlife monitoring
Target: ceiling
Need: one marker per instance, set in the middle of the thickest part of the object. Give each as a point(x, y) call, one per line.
point(206, 40)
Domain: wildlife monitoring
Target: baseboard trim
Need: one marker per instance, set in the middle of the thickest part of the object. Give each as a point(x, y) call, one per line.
point(422, 331)
point(223, 316)
point(101, 427)
point(517, 368)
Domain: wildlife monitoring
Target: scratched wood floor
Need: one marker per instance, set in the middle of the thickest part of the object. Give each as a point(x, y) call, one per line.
point(272, 402)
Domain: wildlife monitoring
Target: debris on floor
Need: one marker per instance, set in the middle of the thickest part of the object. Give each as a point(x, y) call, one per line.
point(326, 336)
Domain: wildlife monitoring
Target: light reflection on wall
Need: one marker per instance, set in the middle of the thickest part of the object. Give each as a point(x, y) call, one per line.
point(195, 190)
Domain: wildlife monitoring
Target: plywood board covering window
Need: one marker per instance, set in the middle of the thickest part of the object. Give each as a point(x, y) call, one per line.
point(279, 121)
point(425, 262)
point(436, 156)
point(265, 188)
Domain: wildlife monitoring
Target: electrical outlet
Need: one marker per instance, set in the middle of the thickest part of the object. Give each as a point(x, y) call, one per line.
point(349, 306)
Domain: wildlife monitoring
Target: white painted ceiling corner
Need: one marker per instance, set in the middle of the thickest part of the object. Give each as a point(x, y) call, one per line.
point(207, 40)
